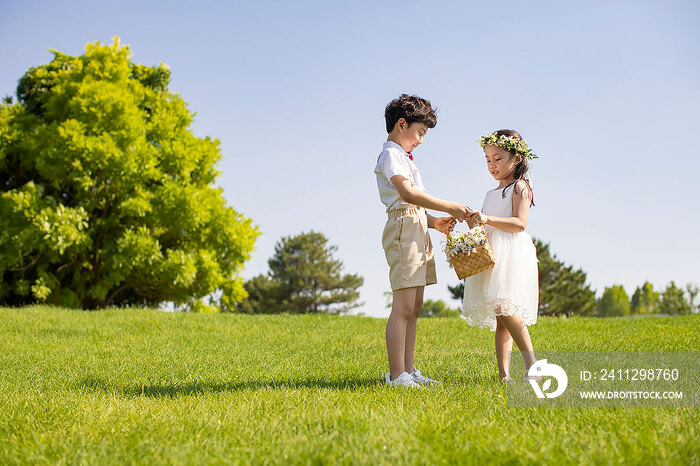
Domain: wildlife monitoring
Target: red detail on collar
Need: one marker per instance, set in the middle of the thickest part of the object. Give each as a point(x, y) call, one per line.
point(409, 155)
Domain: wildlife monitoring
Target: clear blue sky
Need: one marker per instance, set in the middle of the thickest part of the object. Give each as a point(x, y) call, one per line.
point(606, 92)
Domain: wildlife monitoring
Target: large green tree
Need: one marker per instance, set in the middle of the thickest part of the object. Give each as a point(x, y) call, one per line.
point(304, 278)
point(562, 289)
point(107, 197)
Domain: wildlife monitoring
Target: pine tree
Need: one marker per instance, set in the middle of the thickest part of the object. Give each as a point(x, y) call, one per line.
point(304, 278)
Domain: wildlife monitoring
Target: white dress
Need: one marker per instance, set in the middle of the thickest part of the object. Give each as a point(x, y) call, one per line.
point(511, 286)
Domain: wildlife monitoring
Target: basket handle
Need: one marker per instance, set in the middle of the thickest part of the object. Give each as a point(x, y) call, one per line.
point(476, 224)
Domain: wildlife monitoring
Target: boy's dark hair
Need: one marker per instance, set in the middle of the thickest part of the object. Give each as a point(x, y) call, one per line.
point(521, 168)
point(412, 109)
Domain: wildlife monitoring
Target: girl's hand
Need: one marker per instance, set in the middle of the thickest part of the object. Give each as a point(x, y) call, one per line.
point(445, 224)
point(477, 216)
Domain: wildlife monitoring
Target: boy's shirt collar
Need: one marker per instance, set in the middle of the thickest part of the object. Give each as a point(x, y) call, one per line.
point(389, 144)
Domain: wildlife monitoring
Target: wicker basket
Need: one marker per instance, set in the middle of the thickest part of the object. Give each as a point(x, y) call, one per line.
point(468, 264)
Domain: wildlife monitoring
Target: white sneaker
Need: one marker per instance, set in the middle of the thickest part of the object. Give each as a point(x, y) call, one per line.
point(403, 380)
point(420, 379)
point(507, 380)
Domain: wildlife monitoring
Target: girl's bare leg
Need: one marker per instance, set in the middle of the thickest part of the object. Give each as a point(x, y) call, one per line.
point(518, 330)
point(504, 345)
point(410, 344)
point(401, 310)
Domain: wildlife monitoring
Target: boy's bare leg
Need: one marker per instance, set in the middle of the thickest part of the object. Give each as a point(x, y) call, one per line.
point(504, 344)
point(518, 330)
point(401, 310)
point(410, 345)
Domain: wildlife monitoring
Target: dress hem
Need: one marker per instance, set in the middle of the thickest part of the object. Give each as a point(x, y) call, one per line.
point(487, 313)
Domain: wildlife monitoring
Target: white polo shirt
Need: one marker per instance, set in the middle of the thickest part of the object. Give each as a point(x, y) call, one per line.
point(394, 161)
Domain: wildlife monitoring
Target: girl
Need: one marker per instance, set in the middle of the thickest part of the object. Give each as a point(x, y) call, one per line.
point(504, 298)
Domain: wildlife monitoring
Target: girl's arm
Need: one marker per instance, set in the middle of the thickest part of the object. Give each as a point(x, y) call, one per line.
point(417, 197)
point(521, 208)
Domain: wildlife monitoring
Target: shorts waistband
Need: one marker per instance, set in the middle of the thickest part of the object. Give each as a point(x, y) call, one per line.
point(397, 213)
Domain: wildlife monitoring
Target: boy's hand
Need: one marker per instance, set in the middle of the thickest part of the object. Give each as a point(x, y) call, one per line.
point(445, 224)
point(459, 211)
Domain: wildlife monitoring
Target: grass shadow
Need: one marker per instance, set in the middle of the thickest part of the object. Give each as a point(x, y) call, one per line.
point(198, 388)
point(201, 387)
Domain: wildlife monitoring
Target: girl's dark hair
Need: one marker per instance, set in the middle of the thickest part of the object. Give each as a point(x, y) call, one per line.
point(412, 109)
point(521, 168)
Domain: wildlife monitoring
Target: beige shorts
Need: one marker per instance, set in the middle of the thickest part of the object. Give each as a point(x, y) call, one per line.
point(408, 249)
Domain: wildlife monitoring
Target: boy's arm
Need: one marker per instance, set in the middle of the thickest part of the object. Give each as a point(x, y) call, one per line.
point(417, 197)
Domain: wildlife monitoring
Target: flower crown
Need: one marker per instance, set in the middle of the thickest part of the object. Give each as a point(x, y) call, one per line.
point(510, 143)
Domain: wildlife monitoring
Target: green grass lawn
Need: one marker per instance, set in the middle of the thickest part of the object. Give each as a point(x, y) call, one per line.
point(142, 386)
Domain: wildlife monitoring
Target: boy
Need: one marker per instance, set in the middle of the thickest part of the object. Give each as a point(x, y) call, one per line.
point(406, 242)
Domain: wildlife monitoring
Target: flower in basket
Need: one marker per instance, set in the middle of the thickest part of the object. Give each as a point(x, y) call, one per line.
point(464, 243)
